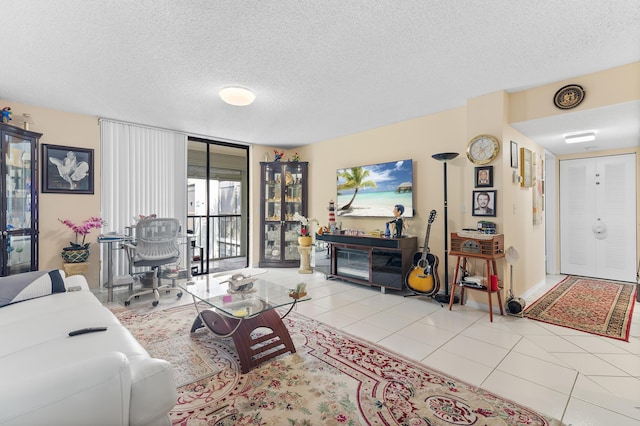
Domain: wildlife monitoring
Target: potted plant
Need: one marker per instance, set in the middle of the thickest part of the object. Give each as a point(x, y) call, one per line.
point(304, 237)
point(79, 252)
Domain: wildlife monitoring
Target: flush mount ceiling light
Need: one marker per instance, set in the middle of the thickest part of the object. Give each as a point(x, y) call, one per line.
point(237, 96)
point(580, 137)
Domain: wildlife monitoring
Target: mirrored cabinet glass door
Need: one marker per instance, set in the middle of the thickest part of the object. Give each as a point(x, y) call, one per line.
point(18, 242)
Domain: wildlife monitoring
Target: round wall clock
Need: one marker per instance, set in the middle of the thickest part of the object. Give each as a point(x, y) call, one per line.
point(483, 149)
point(569, 96)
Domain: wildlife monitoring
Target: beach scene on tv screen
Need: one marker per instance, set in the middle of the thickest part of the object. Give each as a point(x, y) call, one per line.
point(373, 190)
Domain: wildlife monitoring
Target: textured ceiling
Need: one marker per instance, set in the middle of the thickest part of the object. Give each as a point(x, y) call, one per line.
point(319, 69)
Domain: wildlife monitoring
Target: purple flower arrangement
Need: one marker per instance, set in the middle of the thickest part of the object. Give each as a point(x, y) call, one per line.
point(83, 229)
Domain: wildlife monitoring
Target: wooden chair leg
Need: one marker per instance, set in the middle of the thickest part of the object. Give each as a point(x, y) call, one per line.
point(453, 285)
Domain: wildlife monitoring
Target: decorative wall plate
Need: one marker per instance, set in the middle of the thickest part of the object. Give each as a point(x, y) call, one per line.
point(569, 96)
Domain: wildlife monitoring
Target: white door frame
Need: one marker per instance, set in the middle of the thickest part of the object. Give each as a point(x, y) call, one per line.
point(551, 212)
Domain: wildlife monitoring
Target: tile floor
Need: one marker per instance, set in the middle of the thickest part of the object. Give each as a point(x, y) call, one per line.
point(579, 378)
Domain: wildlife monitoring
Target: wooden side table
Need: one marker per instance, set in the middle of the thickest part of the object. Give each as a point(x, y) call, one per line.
point(491, 269)
point(75, 268)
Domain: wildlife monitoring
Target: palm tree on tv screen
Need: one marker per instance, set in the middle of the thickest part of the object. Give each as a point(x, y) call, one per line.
point(354, 179)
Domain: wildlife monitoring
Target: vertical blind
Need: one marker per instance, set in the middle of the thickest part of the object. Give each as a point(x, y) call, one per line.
point(143, 173)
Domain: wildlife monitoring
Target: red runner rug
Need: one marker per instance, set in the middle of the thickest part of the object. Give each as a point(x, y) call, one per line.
point(332, 379)
point(587, 304)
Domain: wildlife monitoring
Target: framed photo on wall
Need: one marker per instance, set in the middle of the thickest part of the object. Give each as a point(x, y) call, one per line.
point(484, 177)
point(526, 168)
point(484, 203)
point(67, 170)
point(514, 155)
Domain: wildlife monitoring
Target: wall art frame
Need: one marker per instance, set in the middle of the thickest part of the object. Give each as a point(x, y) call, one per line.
point(484, 203)
point(514, 155)
point(67, 170)
point(484, 176)
point(526, 168)
point(395, 188)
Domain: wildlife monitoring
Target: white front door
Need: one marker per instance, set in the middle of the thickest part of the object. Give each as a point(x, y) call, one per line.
point(598, 217)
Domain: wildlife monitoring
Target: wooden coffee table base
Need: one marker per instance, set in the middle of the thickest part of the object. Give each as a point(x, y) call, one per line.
point(253, 347)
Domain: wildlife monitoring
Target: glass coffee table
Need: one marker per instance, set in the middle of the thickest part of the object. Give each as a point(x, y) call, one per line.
point(239, 314)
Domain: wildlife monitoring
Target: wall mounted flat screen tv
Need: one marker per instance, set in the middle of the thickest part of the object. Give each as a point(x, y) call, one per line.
point(373, 190)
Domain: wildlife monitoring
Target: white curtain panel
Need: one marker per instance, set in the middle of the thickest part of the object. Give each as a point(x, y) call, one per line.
point(143, 173)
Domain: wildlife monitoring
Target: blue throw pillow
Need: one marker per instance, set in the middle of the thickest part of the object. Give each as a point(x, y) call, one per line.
point(20, 287)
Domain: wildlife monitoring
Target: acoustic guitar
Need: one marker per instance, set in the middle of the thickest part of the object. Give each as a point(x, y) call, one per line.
point(423, 276)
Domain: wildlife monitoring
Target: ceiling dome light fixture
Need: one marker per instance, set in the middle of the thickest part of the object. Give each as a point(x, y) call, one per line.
point(237, 96)
point(578, 137)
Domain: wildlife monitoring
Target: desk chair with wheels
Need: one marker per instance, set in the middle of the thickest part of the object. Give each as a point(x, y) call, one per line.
point(156, 244)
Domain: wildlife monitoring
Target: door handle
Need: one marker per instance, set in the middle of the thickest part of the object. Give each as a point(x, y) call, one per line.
point(599, 230)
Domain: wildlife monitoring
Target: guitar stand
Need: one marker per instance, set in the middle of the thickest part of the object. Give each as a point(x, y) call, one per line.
point(433, 296)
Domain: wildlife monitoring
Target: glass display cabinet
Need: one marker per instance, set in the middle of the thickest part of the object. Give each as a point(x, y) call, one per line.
point(283, 194)
point(19, 191)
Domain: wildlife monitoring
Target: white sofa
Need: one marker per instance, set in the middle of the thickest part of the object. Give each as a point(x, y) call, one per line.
point(102, 378)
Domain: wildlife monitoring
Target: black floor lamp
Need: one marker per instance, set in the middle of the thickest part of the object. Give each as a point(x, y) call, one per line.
point(444, 298)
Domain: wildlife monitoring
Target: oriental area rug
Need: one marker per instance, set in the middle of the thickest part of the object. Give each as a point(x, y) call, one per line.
point(332, 379)
point(587, 304)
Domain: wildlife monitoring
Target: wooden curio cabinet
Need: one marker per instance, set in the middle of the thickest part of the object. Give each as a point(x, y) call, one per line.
point(283, 193)
point(19, 198)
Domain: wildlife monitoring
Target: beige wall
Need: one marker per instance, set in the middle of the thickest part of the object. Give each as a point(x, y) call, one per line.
point(517, 220)
point(75, 130)
point(609, 87)
point(419, 139)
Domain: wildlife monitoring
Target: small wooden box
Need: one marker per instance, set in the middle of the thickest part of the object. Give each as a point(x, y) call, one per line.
point(487, 246)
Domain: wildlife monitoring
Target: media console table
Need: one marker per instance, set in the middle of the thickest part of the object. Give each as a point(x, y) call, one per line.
point(368, 260)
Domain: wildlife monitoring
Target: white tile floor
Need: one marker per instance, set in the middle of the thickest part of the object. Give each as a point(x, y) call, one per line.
point(576, 377)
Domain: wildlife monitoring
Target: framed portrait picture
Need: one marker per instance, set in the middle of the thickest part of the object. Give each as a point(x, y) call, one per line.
point(67, 170)
point(484, 176)
point(526, 168)
point(484, 203)
point(514, 155)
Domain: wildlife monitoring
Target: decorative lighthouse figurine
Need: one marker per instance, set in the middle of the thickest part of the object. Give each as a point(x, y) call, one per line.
point(332, 216)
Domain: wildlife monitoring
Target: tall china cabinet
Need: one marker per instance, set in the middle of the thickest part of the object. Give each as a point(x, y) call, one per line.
point(19, 198)
point(283, 193)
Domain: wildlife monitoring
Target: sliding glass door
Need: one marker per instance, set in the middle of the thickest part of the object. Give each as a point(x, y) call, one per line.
point(218, 196)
